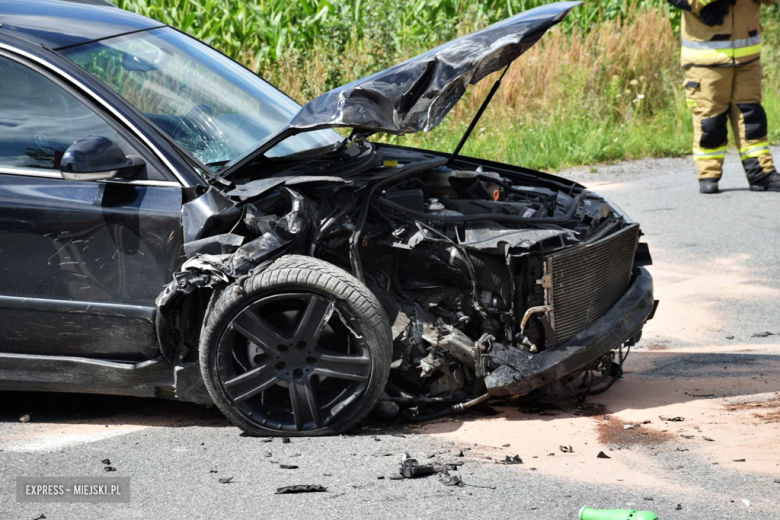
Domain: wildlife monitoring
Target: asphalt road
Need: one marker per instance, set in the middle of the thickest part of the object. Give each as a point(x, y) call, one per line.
point(717, 276)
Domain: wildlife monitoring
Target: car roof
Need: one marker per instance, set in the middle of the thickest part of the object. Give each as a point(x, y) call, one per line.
point(63, 23)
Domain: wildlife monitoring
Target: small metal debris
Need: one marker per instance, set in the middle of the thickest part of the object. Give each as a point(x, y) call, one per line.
point(460, 454)
point(603, 455)
point(671, 419)
point(411, 467)
point(286, 440)
point(226, 480)
point(288, 466)
point(707, 438)
point(565, 449)
point(729, 337)
point(746, 502)
point(310, 488)
point(777, 481)
point(505, 445)
point(213, 471)
point(107, 462)
point(447, 479)
point(764, 334)
point(678, 508)
point(511, 460)
point(738, 460)
point(109, 468)
point(268, 454)
point(25, 418)
point(628, 427)
point(42, 517)
point(687, 436)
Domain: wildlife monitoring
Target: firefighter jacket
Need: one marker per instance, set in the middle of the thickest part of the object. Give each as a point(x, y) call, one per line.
point(735, 42)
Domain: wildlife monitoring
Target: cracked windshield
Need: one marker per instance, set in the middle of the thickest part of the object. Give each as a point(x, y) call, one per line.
point(207, 104)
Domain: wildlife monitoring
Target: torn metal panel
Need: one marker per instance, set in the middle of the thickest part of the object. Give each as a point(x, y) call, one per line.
point(225, 243)
point(209, 214)
point(416, 95)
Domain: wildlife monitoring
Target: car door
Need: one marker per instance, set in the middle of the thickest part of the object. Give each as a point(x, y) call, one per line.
point(81, 262)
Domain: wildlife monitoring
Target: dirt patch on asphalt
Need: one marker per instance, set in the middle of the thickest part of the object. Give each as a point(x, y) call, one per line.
point(767, 411)
point(656, 346)
point(615, 432)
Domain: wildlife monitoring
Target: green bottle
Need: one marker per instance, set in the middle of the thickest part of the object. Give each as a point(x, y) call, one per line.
point(588, 513)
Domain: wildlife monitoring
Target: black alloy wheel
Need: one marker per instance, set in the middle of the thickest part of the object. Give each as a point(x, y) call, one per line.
point(296, 351)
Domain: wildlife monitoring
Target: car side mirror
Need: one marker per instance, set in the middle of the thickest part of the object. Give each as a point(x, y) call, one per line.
point(96, 158)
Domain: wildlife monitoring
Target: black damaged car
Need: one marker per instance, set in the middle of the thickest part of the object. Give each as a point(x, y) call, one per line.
point(171, 225)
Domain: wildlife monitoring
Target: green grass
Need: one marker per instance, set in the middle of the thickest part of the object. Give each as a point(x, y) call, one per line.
point(572, 100)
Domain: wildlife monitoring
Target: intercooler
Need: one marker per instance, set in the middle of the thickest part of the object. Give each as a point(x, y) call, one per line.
point(583, 283)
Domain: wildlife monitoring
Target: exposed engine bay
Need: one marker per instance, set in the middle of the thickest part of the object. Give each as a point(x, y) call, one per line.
point(460, 256)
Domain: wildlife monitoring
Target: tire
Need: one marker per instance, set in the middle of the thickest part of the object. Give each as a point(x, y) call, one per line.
point(302, 348)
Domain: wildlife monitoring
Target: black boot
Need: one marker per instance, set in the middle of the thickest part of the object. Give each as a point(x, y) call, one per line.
point(769, 183)
point(709, 186)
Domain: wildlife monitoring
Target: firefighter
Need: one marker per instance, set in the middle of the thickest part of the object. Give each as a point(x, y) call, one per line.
point(721, 55)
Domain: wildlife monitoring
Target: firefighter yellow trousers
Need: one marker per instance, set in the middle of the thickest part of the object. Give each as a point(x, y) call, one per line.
point(720, 94)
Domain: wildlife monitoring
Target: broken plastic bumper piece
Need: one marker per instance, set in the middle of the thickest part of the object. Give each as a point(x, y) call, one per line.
point(521, 372)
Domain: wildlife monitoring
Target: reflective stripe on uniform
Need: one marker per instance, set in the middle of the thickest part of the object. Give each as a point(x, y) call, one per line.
point(754, 150)
point(701, 154)
point(721, 49)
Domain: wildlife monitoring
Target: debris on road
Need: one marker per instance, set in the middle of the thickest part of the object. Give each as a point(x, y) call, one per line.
point(25, 418)
point(309, 488)
point(411, 467)
point(678, 508)
point(738, 460)
point(109, 468)
point(565, 449)
point(286, 440)
point(447, 479)
point(288, 466)
point(226, 480)
point(588, 513)
point(708, 438)
point(628, 427)
point(603, 455)
point(671, 419)
point(764, 334)
point(510, 460)
point(106, 462)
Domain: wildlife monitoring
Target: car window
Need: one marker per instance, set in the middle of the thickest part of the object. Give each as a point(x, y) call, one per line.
point(211, 106)
point(39, 120)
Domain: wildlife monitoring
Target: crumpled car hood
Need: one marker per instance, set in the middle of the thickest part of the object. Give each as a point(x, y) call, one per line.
point(416, 94)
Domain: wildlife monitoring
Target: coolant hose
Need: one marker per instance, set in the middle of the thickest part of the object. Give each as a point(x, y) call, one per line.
point(452, 410)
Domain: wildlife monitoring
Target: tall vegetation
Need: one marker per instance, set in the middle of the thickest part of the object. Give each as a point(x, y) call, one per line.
point(602, 86)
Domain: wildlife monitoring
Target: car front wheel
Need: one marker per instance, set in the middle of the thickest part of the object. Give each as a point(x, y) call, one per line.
point(301, 348)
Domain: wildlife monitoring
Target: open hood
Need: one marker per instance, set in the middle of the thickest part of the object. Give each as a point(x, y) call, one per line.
point(416, 94)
